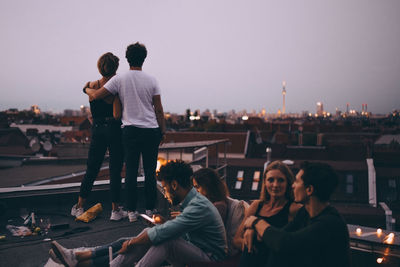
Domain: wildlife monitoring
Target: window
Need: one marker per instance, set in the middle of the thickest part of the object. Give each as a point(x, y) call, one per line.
point(349, 184)
point(239, 180)
point(392, 183)
point(256, 180)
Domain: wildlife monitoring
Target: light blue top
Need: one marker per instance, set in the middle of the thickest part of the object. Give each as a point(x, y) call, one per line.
point(199, 223)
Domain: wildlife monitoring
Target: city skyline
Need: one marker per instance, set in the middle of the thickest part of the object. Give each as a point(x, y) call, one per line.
point(218, 55)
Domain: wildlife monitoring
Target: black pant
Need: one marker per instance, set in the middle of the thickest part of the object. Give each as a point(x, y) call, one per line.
point(138, 141)
point(104, 135)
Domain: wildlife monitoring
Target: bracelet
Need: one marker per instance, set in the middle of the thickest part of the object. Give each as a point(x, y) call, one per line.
point(253, 225)
point(84, 90)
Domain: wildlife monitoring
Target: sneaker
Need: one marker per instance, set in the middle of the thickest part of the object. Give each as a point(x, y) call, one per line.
point(66, 256)
point(76, 212)
point(117, 215)
point(150, 213)
point(54, 257)
point(133, 216)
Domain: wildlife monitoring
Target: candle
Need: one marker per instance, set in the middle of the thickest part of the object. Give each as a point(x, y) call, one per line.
point(358, 231)
point(110, 253)
point(389, 239)
point(379, 231)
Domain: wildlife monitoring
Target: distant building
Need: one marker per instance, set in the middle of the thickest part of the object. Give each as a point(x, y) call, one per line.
point(283, 95)
point(35, 109)
point(320, 109)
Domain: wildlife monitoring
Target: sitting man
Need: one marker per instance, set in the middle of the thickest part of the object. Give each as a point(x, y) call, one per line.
point(197, 234)
point(318, 235)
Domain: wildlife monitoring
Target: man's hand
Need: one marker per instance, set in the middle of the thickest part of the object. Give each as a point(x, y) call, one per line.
point(162, 139)
point(126, 246)
point(174, 214)
point(248, 238)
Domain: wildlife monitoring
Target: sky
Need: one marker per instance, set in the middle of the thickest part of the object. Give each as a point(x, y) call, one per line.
point(216, 54)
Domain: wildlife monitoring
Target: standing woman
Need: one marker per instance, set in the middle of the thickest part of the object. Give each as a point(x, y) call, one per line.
point(106, 134)
point(275, 206)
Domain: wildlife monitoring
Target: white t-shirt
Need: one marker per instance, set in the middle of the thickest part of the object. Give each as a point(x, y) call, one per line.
point(136, 90)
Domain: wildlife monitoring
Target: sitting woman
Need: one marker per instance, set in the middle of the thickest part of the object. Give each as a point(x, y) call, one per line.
point(208, 183)
point(275, 206)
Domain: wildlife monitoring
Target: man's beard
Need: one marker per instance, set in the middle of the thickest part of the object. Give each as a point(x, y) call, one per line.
point(175, 199)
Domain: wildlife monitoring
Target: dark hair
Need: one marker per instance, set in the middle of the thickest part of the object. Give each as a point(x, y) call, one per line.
point(108, 64)
point(284, 169)
point(216, 189)
point(322, 177)
point(176, 170)
point(136, 54)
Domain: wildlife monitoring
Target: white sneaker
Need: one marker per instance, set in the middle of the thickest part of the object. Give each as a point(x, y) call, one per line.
point(117, 215)
point(133, 216)
point(150, 213)
point(66, 256)
point(76, 212)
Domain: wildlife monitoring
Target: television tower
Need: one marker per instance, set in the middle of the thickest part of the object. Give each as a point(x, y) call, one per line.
point(283, 94)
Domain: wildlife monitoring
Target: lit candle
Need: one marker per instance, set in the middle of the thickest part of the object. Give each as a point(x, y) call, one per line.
point(389, 239)
point(358, 231)
point(379, 231)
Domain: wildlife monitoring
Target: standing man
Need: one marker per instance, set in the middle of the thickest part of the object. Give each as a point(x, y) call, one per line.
point(318, 235)
point(143, 125)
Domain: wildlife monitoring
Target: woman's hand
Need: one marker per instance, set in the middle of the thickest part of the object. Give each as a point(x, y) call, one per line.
point(249, 222)
point(84, 88)
point(248, 239)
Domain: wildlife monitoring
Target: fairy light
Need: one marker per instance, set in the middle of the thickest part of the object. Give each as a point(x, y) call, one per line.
point(379, 260)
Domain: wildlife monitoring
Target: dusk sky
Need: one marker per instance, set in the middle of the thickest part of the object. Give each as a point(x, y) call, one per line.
point(216, 54)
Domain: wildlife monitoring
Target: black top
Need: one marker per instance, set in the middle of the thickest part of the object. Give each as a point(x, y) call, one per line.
point(260, 256)
point(319, 241)
point(278, 220)
point(100, 109)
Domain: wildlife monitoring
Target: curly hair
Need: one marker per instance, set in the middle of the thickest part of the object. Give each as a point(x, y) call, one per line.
point(209, 180)
point(284, 169)
point(108, 64)
point(176, 170)
point(136, 54)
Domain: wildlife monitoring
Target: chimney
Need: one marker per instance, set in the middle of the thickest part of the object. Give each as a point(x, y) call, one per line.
point(269, 153)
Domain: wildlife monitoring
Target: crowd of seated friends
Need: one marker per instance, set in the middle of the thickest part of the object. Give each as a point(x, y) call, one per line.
point(284, 227)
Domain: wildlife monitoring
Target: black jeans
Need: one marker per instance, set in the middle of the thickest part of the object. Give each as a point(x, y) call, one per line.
point(138, 141)
point(104, 135)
